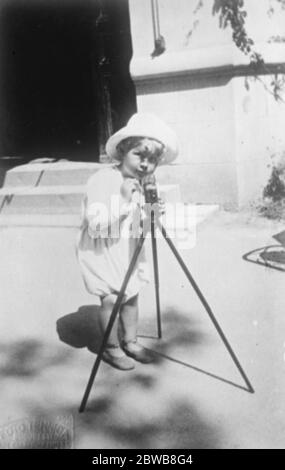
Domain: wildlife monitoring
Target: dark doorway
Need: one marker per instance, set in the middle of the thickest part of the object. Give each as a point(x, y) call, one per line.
point(65, 83)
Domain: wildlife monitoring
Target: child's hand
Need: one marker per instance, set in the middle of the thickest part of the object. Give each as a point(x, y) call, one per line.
point(161, 206)
point(129, 186)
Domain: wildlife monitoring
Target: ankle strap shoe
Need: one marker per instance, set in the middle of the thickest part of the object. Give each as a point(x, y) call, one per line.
point(136, 351)
point(119, 362)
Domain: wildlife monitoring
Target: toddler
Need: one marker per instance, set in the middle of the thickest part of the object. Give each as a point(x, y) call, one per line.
point(109, 232)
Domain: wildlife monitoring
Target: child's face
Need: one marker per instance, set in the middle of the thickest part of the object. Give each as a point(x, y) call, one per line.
point(140, 160)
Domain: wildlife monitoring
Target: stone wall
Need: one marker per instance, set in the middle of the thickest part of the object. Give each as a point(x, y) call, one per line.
point(227, 123)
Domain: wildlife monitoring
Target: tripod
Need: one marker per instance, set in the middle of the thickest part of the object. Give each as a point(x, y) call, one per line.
point(153, 223)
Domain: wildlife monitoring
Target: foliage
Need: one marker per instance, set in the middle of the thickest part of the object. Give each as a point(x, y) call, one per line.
point(273, 202)
point(275, 188)
point(281, 2)
point(232, 14)
point(272, 210)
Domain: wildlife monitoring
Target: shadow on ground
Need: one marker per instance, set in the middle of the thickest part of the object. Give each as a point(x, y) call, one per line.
point(181, 332)
point(107, 423)
point(30, 357)
point(81, 329)
point(180, 425)
point(141, 409)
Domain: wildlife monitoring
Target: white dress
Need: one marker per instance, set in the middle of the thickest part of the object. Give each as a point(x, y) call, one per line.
point(107, 241)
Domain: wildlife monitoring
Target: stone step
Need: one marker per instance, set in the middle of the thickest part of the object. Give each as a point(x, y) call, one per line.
point(56, 199)
point(51, 174)
point(40, 220)
point(41, 200)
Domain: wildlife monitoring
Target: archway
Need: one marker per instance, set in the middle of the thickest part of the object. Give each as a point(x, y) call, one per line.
point(64, 84)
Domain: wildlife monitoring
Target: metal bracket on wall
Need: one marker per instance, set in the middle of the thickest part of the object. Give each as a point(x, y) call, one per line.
point(159, 41)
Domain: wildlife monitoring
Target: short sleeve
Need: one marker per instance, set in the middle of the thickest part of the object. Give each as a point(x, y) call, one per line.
point(104, 204)
point(103, 185)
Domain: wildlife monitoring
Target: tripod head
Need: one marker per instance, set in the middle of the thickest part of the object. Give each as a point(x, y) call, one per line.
point(150, 189)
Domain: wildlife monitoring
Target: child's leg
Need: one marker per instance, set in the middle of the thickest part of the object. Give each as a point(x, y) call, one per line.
point(105, 311)
point(113, 354)
point(129, 324)
point(129, 319)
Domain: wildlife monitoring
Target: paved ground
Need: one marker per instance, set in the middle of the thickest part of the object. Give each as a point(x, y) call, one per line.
point(165, 404)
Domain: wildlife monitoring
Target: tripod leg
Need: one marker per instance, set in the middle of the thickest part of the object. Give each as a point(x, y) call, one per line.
point(206, 305)
point(156, 277)
point(114, 313)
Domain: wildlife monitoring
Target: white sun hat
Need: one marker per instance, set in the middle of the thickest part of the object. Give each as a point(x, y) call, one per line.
point(146, 125)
